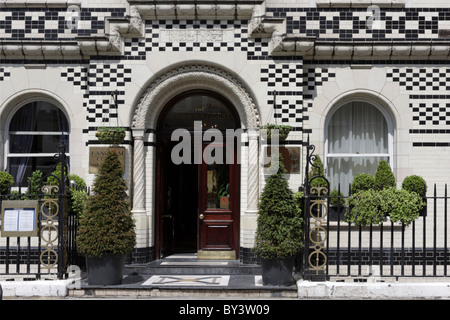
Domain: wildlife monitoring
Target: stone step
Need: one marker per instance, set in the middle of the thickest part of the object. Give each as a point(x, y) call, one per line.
point(177, 265)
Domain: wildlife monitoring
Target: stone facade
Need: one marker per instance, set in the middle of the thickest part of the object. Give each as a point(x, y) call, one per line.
point(290, 62)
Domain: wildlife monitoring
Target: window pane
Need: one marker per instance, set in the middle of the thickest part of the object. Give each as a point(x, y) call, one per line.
point(357, 128)
point(22, 167)
point(39, 116)
point(218, 186)
point(36, 143)
point(31, 131)
point(369, 128)
point(343, 170)
point(212, 112)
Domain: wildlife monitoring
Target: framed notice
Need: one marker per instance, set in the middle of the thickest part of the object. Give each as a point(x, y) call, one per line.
point(97, 155)
point(19, 218)
point(291, 157)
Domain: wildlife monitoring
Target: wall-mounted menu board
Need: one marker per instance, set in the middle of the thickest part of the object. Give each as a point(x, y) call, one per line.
point(19, 218)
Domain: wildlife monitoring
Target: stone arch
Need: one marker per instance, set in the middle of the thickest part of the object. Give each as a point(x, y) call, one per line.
point(192, 77)
point(146, 113)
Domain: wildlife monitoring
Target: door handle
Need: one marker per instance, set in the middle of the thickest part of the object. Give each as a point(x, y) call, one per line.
point(201, 216)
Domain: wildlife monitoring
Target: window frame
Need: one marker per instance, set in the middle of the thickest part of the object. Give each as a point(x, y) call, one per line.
point(390, 135)
point(8, 155)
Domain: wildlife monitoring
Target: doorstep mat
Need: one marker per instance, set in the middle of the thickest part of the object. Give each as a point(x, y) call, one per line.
point(187, 280)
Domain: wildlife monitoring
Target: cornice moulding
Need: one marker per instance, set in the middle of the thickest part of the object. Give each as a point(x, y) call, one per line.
point(310, 48)
point(82, 48)
point(152, 11)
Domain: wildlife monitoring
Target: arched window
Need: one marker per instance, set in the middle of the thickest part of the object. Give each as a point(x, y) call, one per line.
point(358, 136)
point(35, 131)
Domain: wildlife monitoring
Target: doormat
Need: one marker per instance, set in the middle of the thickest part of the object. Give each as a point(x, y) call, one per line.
point(187, 280)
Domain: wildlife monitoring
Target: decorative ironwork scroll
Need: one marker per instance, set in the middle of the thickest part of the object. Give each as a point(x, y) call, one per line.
point(318, 211)
point(316, 189)
point(49, 228)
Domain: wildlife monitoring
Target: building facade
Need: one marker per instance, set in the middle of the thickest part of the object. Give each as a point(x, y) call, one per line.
point(365, 80)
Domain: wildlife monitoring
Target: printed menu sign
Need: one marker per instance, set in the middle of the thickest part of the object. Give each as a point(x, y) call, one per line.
point(19, 218)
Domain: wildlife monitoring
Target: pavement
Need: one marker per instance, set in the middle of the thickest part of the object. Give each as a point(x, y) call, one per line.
point(185, 277)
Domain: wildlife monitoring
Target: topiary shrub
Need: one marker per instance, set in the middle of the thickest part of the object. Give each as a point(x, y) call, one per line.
point(362, 182)
point(372, 206)
point(337, 199)
point(415, 184)
point(111, 135)
point(299, 198)
point(365, 208)
point(279, 223)
point(315, 171)
point(107, 226)
point(401, 205)
point(384, 178)
point(283, 131)
point(6, 181)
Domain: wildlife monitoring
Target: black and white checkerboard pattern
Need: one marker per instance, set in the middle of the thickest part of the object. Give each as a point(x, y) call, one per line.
point(98, 81)
point(324, 23)
point(4, 73)
point(77, 75)
point(315, 77)
point(431, 113)
point(53, 23)
point(427, 88)
point(351, 23)
point(421, 79)
point(108, 77)
point(285, 85)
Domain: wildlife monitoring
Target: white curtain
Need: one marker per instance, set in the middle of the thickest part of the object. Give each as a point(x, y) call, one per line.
point(357, 142)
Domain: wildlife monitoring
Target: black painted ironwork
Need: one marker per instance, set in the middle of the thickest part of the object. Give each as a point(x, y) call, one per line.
point(48, 254)
point(335, 248)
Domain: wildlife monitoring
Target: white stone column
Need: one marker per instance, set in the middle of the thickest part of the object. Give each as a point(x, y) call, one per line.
point(138, 171)
point(248, 222)
point(138, 208)
point(253, 172)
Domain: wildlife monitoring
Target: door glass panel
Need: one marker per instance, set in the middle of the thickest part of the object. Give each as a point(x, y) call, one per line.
point(218, 186)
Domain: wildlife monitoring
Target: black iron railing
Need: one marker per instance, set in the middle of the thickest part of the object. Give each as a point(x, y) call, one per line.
point(335, 247)
point(54, 248)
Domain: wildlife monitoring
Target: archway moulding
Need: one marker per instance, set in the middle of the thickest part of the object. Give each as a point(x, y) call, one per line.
point(186, 78)
point(19, 99)
point(365, 95)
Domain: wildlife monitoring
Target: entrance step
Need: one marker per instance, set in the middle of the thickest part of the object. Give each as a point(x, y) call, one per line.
point(188, 264)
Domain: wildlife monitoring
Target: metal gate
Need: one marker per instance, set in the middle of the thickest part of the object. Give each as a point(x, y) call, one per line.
point(335, 247)
point(315, 220)
point(47, 254)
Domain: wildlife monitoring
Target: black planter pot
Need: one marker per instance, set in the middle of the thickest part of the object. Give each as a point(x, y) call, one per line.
point(277, 272)
point(105, 270)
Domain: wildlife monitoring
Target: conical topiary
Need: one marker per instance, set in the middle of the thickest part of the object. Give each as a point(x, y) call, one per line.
point(279, 223)
point(107, 226)
point(384, 178)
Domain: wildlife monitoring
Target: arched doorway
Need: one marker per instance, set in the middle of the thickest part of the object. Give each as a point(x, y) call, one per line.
point(197, 200)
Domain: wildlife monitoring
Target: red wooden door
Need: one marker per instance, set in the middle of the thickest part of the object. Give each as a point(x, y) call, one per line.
point(218, 214)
